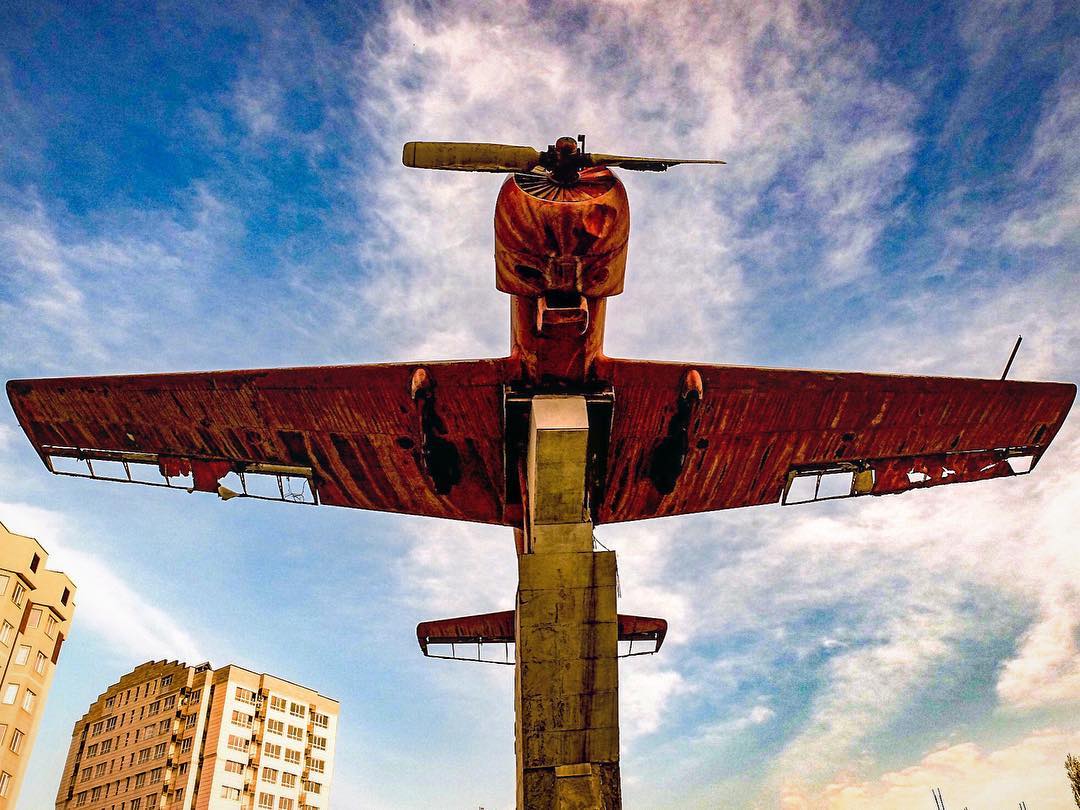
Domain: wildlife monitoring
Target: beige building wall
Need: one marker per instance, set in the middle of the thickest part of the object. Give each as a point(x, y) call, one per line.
point(36, 606)
point(175, 737)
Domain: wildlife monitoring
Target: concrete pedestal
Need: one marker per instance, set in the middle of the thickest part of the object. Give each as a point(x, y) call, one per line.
point(567, 677)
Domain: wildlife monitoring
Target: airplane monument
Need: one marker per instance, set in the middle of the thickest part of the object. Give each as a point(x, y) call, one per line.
point(550, 440)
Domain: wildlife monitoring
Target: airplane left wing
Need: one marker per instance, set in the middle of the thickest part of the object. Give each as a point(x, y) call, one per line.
point(422, 439)
point(695, 438)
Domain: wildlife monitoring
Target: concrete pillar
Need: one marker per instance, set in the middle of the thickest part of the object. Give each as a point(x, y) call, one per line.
point(566, 678)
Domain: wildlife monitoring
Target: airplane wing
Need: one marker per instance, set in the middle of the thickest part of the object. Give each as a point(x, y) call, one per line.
point(423, 439)
point(694, 438)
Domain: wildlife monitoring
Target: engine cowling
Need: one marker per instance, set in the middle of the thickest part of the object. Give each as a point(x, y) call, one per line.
point(562, 238)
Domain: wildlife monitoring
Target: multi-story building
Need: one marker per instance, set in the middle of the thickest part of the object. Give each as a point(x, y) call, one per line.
point(169, 736)
point(36, 606)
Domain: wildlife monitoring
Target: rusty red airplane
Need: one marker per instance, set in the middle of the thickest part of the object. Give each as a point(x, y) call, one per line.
point(444, 438)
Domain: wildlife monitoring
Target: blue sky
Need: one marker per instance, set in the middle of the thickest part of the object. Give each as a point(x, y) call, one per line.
point(194, 187)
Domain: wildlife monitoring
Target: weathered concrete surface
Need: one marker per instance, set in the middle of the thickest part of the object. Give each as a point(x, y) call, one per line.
point(567, 677)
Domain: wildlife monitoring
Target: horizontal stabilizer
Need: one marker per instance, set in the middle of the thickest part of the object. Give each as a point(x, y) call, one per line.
point(441, 638)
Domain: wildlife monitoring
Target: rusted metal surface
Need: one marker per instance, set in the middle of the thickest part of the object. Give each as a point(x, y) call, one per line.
point(754, 425)
point(357, 427)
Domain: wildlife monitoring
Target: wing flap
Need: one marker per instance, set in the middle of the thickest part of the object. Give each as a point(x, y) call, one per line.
point(754, 430)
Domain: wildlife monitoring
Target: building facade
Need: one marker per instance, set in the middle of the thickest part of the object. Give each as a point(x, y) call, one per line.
point(36, 606)
point(168, 736)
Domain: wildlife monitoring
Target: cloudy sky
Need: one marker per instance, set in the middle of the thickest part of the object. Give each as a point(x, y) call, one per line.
point(203, 186)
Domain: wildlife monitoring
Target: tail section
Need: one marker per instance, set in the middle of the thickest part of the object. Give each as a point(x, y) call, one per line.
point(490, 635)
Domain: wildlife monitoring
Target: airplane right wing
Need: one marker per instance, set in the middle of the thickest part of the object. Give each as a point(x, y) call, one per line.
point(695, 438)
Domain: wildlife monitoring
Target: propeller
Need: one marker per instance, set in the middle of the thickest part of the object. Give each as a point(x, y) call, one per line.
point(564, 159)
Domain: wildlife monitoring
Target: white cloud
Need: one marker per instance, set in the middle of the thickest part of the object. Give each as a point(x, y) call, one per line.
point(1030, 770)
point(126, 622)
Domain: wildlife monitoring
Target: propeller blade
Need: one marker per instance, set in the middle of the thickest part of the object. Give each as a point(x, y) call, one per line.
point(643, 164)
point(469, 157)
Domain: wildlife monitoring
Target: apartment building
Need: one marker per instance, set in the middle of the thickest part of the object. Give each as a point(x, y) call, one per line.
point(36, 606)
point(168, 736)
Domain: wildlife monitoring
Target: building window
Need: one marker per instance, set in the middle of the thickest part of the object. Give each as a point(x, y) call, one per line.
point(296, 710)
point(275, 726)
point(4, 580)
point(159, 750)
point(80, 800)
point(168, 702)
point(95, 794)
point(166, 681)
point(99, 770)
point(230, 792)
point(110, 702)
point(185, 745)
point(144, 755)
point(50, 626)
point(91, 751)
point(106, 746)
point(86, 774)
point(292, 756)
point(136, 804)
point(110, 724)
point(296, 733)
point(269, 775)
point(288, 779)
point(28, 700)
point(313, 787)
point(241, 719)
point(191, 720)
point(155, 775)
point(153, 708)
point(140, 779)
point(271, 750)
point(231, 766)
point(163, 726)
point(284, 804)
point(317, 765)
point(16, 741)
point(245, 695)
point(35, 561)
point(5, 783)
point(278, 704)
point(237, 743)
point(266, 801)
point(5, 632)
point(35, 618)
point(18, 593)
point(318, 742)
point(40, 662)
point(63, 601)
point(22, 655)
point(11, 692)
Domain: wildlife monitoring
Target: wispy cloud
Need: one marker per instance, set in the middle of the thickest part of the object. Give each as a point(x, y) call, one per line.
point(127, 623)
point(1031, 770)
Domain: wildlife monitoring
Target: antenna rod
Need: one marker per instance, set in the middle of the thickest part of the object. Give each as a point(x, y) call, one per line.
point(1012, 356)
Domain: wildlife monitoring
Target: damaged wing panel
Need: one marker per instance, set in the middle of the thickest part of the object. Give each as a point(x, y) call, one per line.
point(355, 436)
point(752, 434)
